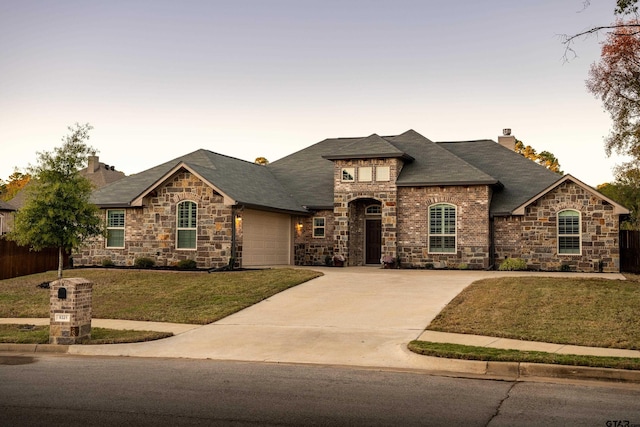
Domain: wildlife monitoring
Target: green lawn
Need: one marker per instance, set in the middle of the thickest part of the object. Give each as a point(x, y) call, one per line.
point(161, 296)
point(30, 334)
point(581, 311)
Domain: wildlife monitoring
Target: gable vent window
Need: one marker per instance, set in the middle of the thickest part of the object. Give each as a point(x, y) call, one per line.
point(348, 174)
point(442, 228)
point(187, 225)
point(569, 232)
point(115, 228)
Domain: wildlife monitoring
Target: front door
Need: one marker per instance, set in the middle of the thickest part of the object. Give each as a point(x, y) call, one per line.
point(373, 242)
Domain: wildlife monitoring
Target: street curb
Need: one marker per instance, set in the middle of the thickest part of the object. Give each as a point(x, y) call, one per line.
point(35, 348)
point(578, 372)
point(517, 371)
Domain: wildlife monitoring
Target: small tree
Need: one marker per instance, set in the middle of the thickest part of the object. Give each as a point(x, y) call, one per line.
point(57, 212)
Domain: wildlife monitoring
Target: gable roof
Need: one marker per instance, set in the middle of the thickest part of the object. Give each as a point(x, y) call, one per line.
point(239, 181)
point(617, 208)
point(371, 147)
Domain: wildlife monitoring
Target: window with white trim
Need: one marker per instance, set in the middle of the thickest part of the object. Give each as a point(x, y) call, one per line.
point(569, 232)
point(383, 173)
point(365, 174)
point(348, 174)
point(115, 228)
point(442, 228)
point(318, 227)
point(187, 213)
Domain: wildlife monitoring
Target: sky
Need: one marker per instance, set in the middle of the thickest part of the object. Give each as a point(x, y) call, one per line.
point(265, 78)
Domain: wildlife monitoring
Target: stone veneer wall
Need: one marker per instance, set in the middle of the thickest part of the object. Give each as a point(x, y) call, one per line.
point(533, 237)
point(150, 230)
point(311, 250)
point(472, 226)
point(346, 192)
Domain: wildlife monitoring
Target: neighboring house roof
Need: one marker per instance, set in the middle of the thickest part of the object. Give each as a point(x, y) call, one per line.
point(520, 177)
point(98, 173)
point(4, 206)
point(617, 208)
point(243, 182)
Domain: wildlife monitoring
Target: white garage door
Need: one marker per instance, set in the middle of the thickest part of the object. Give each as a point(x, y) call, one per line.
point(266, 238)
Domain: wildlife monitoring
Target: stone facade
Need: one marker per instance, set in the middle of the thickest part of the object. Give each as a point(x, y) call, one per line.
point(533, 237)
point(150, 230)
point(472, 226)
point(400, 218)
point(346, 196)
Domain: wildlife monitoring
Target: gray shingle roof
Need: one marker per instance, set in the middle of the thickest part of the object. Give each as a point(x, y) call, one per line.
point(305, 179)
point(371, 147)
point(245, 182)
point(434, 165)
point(520, 177)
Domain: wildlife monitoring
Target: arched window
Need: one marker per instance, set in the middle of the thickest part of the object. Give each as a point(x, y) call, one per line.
point(187, 214)
point(442, 228)
point(569, 232)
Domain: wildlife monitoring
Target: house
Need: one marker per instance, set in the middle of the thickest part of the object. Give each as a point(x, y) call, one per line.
point(6, 216)
point(468, 204)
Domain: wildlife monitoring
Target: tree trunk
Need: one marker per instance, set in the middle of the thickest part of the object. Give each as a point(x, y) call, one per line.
point(60, 262)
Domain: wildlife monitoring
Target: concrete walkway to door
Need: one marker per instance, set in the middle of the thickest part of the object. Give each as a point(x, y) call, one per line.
point(358, 316)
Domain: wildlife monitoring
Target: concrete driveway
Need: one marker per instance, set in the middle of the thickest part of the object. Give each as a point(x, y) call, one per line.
point(358, 316)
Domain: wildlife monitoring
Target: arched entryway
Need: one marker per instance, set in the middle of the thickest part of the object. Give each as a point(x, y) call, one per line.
point(365, 231)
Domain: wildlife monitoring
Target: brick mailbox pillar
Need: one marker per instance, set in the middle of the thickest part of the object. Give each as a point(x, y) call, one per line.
point(70, 311)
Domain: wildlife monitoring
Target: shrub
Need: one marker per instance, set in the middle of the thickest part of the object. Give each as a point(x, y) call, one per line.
point(186, 264)
point(463, 266)
point(513, 264)
point(144, 262)
point(107, 262)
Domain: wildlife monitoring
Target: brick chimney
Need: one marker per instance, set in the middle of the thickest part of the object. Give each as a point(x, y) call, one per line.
point(507, 140)
point(94, 163)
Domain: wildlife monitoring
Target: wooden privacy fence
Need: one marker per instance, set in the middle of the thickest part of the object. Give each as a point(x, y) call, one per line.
point(18, 261)
point(630, 251)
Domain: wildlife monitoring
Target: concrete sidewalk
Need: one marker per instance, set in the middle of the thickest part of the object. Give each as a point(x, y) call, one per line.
point(354, 316)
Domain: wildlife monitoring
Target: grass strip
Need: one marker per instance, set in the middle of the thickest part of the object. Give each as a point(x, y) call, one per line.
point(30, 334)
point(488, 354)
